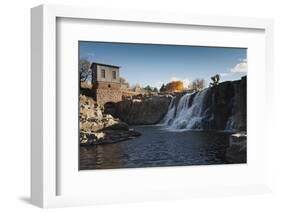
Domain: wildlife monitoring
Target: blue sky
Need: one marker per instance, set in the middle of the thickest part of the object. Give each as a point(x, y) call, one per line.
point(152, 64)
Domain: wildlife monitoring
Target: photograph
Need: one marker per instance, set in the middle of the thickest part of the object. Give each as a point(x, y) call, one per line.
point(161, 105)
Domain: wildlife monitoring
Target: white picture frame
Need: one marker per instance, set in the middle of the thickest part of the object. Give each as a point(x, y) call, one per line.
point(44, 149)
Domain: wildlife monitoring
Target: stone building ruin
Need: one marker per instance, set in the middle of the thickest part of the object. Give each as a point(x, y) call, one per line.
point(106, 83)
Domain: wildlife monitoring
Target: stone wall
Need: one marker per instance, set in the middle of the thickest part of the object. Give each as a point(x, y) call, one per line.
point(107, 92)
point(143, 111)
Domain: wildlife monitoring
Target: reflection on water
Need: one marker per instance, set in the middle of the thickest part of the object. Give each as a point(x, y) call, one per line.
point(157, 147)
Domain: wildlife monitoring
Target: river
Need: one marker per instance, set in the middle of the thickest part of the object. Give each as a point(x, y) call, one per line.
point(158, 147)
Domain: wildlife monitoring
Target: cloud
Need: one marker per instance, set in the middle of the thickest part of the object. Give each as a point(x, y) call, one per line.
point(225, 74)
point(241, 67)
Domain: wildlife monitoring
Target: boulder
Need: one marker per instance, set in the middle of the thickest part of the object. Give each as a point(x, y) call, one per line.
point(118, 126)
point(107, 137)
point(237, 150)
point(97, 127)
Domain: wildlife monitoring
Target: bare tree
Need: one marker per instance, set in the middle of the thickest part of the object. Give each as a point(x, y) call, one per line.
point(198, 84)
point(84, 70)
point(215, 80)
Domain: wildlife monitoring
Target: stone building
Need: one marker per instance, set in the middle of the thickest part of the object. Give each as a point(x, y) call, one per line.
point(106, 83)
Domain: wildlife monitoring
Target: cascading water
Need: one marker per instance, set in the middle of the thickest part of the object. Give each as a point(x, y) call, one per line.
point(189, 113)
point(232, 122)
point(222, 108)
point(171, 112)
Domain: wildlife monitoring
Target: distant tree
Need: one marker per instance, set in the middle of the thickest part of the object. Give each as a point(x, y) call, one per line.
point(174, 86)
point(162, 88)
point(215, 80)
point(148, 88)
point(155, 89)
point(84, 69)
point(124, 83)
point(198, 84)
point(136, 87)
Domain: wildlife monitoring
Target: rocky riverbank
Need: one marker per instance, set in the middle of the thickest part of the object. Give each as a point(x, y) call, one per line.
point(237, 150)
point(97, 127)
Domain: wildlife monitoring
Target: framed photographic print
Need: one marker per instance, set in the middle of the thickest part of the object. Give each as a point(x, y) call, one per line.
point(180, 111)
point(149, 106)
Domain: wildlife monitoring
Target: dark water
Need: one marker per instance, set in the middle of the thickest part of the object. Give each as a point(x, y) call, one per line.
point(158, 147)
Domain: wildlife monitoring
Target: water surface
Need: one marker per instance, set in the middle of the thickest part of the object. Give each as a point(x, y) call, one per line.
point(158, 147)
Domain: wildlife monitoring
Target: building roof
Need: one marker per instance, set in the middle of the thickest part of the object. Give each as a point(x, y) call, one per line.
point(107, 65)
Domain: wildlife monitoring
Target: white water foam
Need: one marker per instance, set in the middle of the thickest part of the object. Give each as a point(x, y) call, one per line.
point(186, 115)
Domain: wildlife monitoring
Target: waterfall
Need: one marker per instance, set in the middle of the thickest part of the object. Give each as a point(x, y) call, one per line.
point(171, 112)
point(189, 112)
point(232, 122)
point(215, 108)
